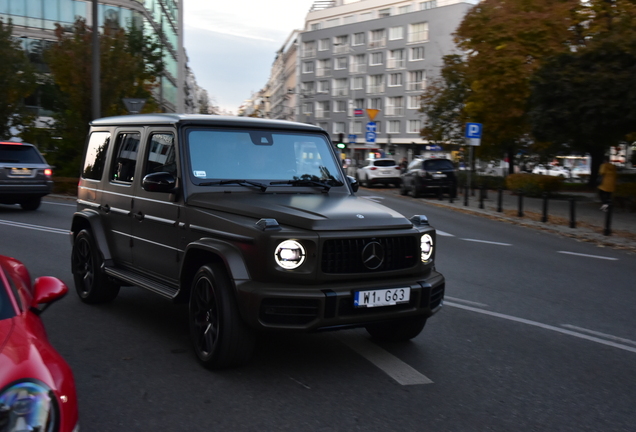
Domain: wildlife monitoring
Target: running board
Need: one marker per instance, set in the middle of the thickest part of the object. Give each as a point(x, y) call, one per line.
point(132, 278)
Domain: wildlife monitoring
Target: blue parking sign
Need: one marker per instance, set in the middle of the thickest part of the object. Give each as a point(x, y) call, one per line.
point(473, 130)
point(370, 137)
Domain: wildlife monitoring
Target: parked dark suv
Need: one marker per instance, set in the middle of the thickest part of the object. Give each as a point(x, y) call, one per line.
point(25, 177)
point(253, 223)
point(429, 176)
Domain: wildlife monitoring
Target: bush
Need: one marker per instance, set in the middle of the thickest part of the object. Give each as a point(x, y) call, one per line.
point(489, 182)
point(65, 186)
point(625, 196)
point(534, 185)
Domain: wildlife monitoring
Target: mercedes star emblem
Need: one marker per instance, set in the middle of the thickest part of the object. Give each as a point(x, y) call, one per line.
point(373, 255)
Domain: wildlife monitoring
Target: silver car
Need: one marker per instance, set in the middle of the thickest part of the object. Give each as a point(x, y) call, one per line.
point(25, 177)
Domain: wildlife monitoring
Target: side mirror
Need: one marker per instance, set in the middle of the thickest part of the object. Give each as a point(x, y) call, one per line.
point(46, 290)
point(159, 182)
point(354, 183)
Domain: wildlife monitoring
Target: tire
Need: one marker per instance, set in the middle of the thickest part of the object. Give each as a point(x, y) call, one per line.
point(220, 337)
point(403, 190)
point(416, 190)
point(91, 284)
point(31, 204)
point(397, 331)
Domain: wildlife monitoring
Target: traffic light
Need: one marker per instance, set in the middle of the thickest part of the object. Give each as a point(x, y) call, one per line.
point(341, 144)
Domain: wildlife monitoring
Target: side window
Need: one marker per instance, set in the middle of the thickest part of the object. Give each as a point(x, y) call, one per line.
point(96, 155)
point(125, 159)
point(161, 154)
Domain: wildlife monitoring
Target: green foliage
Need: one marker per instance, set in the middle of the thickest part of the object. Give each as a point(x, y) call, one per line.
point(17, 81)
point(129, 65)
point(534, 184)
point(625, 196)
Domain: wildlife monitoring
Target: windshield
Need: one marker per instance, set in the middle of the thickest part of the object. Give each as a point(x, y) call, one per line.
point(260, 155)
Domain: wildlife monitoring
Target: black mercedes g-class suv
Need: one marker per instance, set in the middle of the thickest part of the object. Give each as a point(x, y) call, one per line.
point(254, 224)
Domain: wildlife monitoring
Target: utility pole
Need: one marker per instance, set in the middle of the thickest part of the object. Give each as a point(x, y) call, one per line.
point(96, 72)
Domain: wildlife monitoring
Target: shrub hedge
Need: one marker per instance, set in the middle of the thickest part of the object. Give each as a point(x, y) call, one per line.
point(534, 184)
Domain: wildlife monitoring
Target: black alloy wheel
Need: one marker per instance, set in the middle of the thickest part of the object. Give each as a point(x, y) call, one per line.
point(220, 337)
point(91, 284)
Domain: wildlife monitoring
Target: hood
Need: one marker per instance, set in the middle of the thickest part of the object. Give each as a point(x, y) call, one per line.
point(317, 212)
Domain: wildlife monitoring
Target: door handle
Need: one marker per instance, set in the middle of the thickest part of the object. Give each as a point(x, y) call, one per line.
point(139, 216)
point(106, 208)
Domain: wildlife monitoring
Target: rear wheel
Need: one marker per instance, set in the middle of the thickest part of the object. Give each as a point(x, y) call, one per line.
point(220, 337)
point(31, 204)
point(403, 189)
point(91, 284)
point(417, 192)
point(399, 330)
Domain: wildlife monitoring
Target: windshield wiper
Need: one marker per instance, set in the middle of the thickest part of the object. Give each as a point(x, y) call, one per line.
point(261, 186)
point(303, 182)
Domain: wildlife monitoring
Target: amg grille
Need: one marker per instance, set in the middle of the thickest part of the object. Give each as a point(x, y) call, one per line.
point(341, 256)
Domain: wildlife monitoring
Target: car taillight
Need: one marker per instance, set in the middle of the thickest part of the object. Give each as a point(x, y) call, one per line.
point(48, 172)
point(397, 167)
point(373, 168)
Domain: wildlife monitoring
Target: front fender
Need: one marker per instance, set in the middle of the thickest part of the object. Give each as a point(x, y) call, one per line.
point(90, 219)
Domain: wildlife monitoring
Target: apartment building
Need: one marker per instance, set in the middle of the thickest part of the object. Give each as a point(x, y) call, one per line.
point(34, 24)
point(360, 55)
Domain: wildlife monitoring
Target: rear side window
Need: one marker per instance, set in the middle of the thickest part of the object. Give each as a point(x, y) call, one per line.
point(125, 160)
point(438, 165)
point(96, 155)
point(161, 155)
point(17, 153)
point(385, 163)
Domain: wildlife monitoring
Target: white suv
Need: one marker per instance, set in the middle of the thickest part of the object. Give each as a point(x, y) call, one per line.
point(374, 171)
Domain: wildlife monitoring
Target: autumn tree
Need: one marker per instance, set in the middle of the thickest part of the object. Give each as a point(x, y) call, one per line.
point(17, 81)
point(505, 43)
point(130, 66)
point(443, 102)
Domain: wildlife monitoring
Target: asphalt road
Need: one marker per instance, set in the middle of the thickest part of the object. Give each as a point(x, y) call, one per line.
point(538, 333)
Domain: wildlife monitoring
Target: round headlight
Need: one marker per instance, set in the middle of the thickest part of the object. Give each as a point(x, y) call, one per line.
point(28, 405)
point(289, 254)
point(426, 244)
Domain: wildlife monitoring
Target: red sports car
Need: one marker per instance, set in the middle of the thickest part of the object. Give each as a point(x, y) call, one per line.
point(37, 389)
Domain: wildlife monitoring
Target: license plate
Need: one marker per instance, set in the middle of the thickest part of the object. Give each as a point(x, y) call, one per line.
point(383, 297)
point(439, 176)
point(386, 172)
point(21, 171)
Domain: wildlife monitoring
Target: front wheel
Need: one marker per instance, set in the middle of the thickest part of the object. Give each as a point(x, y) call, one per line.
point(91, 284)
point(220, 337)
point(397, 331)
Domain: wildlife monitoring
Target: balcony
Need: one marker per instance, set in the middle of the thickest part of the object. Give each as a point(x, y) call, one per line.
point(395, 63)
point(323, 71)
point(340, 92)
point(416, 86)
point(375, 89)
point(358, 68)
point(380, 43)
point(339, 48)
point(320, 114)
point(310, 52)
point(394, 111)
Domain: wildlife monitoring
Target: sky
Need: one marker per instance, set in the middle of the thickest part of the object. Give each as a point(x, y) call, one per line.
point(231, 44)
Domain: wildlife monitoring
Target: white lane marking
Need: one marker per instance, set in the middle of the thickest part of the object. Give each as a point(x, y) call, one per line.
point(487, 242)
point(605, 335)
point(465, 301)
point(444, 233)
point(34, 227)
point(588, 256)
point(62, 204)
point(544, 326)
point(385, 361)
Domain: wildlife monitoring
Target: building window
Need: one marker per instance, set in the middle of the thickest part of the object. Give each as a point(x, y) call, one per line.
point(396, 59)
point(307, 88)
point(358, 103)
point(396, 33)
point(395, 79)
point(308, 67)
point(358, 38)
point(332, 23)
point(340, 87)
point(428, 5)
point(341, 106)
point(357, 127)
point(309, 49)
point(376, 84)
point(316, 26)
point(357, 83)
point(395, 106)
point(383, 13)
point(378, 126)
point(322, 109)
point(324, 68)
point(341, 63)
point(308, 108)
point(414, 126)
point(323, 44)
point(404, 9)
point(376, 58)
point(393, 127)
point(323, 86)
point(359, 63)
point(377, 38)
point(417, 81)
point(418, 32)
point(417, 53)
point(375, 103)
point(338, 127)
point(414, 102)
point(341, 44)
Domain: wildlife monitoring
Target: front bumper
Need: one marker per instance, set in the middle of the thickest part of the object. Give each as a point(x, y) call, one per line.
point(320, 307)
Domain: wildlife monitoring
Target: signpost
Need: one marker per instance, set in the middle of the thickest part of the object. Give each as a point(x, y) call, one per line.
point(473, 138)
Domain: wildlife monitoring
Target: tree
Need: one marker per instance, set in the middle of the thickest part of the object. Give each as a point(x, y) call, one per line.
point(17, 81)
point(130, 66)
point(587, 98)
point(443, 102)
point(505, 43)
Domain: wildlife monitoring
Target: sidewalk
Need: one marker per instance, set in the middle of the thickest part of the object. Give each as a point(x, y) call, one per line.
point(590, 221)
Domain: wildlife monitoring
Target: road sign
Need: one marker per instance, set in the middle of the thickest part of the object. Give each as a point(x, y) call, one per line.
point(133, 105)
point(372, 113)
point(473, 130)
point(370, 137)
point(372, 127)
point(358, 112)
point(352, 138)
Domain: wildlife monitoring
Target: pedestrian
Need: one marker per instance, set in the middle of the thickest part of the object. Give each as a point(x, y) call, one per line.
point(607, 185)
point(404, 164)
